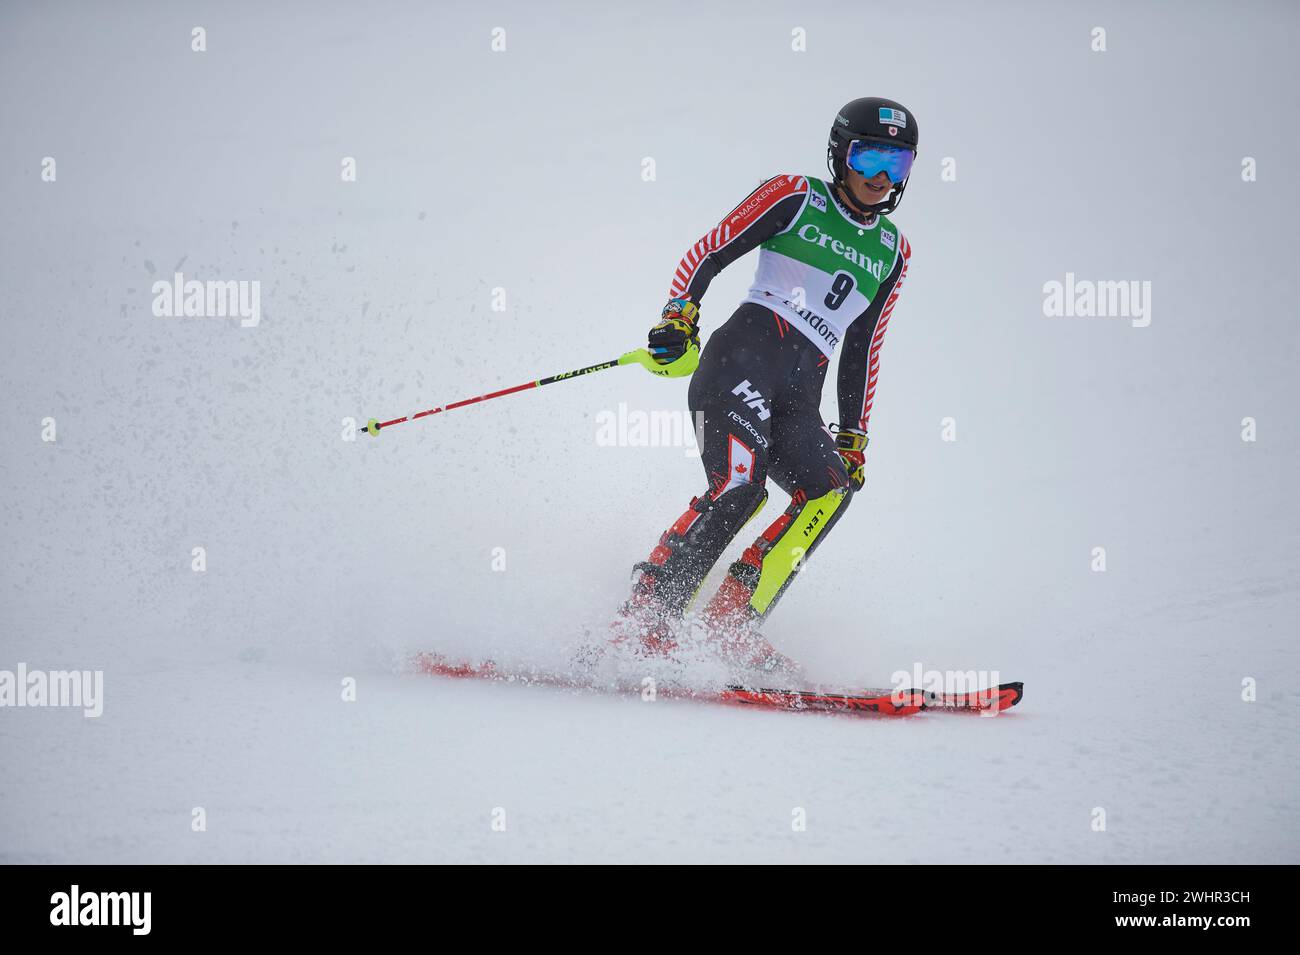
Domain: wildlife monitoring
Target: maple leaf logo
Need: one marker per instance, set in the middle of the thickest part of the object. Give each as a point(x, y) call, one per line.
point(741, 469)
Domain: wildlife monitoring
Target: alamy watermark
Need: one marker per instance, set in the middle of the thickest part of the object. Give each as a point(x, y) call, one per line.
point(73, 688)
point(951, 684)
point(130, 909)
point(190, 298)
point(636, 428)
point(1084, 298)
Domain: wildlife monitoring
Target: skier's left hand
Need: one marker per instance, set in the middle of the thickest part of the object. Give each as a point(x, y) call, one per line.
point(852, 445)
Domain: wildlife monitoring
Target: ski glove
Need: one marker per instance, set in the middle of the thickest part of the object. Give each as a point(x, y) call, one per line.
point(677, 335)
point(852, 445)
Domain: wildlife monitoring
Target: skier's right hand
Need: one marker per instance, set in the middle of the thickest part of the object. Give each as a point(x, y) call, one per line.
point(851, 444)
point(677, 332)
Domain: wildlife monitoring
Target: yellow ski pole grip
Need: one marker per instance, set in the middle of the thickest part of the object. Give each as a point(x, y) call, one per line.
point(683, 366)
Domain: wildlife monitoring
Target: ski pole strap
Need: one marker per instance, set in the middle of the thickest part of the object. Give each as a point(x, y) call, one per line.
point(374, 425)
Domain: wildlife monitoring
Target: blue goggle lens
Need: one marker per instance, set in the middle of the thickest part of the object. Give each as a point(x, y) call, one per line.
point(870, 159)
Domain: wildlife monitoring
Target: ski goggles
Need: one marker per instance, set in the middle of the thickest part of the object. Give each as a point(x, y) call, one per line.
point(869, 159)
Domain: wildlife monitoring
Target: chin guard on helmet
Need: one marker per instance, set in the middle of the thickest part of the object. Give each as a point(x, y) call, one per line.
point(885, 207)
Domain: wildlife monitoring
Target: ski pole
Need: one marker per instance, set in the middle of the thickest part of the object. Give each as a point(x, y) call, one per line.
point(638, 356)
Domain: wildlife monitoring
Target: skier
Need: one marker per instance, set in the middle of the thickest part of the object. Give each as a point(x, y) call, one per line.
point(830, 268)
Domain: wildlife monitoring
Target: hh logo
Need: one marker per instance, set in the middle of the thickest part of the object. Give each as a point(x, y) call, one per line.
point(752, 398)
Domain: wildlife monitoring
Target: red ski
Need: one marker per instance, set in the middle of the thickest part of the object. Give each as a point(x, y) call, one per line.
point(884, 702)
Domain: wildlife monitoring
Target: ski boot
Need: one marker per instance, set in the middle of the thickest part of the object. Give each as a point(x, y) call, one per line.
point(766, 568)
point(642, 624)
point(732, 622)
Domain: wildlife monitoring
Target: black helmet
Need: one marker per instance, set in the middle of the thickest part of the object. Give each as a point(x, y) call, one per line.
point(875, 120)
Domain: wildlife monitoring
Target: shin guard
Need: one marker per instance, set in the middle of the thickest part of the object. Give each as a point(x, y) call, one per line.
point(756, 582)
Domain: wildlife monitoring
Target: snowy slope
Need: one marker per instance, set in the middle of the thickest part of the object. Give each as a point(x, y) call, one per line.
point(329, 559)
